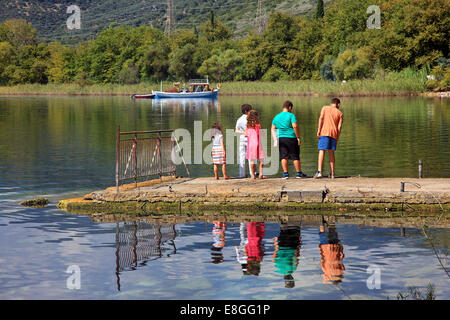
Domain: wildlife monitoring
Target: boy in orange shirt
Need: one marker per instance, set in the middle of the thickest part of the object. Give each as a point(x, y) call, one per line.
point(329, 129)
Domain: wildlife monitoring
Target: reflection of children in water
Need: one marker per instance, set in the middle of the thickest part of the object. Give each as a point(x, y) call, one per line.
point(286, 252)
point(241, 254)
point(254, 248)
point(219, 241)
point(331, 254)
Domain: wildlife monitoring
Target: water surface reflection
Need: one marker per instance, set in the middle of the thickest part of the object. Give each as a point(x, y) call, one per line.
point(65, 147)
point(139, 242)
point(294, 254)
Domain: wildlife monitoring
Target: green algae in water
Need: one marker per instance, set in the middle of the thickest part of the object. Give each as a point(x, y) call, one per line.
point(35, 203)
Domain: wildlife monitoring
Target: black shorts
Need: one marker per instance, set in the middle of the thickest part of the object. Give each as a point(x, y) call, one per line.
point(289, 148)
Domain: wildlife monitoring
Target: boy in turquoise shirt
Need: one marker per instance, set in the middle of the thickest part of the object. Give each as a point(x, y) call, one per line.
point(285, 133)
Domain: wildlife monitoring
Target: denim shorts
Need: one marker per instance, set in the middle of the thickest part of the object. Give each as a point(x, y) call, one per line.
point(327, 143)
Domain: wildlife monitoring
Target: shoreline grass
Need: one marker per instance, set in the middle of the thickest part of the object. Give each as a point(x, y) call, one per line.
point(367, 87)
point(326, 88)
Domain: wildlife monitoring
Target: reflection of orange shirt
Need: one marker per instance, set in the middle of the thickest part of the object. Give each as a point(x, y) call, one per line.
point(331, 256)
point(331, 117)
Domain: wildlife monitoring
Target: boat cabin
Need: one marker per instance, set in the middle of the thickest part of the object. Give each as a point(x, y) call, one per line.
point(198, 85)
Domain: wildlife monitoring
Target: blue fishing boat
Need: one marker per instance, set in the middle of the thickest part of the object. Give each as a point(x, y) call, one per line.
point(197, 88)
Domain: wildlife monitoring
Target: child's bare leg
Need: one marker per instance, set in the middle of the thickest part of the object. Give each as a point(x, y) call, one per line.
point(320, 160)
point(216, 172)
point(252, 170)
point(332, 161)
point(298, 165)
point(224, 171)
point(285, 165)
point(261, 165)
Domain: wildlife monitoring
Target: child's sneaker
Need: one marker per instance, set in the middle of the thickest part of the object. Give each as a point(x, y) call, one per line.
point(285, 175)
point(301, 175)
point(318, 175)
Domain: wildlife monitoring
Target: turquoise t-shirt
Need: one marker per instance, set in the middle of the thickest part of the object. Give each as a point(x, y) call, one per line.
point(283, 122)
point(286, 260)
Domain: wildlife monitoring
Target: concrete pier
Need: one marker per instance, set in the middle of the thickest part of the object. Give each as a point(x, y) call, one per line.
point(245, 195)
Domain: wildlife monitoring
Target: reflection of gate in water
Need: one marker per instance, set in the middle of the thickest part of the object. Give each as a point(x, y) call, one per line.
point(139, 242)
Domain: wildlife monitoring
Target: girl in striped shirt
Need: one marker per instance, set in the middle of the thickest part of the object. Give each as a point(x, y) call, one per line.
point(218, 151)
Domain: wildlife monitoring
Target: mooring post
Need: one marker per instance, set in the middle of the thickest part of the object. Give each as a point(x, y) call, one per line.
point(174, 172)
point(135, 159)
point(160, 156)
point(117, 256)
point(402, 186)
point(117, 158)
point(420, 168)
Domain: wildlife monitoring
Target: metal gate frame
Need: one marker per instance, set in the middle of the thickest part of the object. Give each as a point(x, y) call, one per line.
point(138, 168)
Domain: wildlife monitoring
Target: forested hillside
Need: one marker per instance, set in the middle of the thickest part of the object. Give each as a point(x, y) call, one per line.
point(49, 16)
point(413, 41)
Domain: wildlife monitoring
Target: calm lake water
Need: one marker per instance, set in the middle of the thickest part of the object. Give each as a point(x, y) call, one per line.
point(65, 147)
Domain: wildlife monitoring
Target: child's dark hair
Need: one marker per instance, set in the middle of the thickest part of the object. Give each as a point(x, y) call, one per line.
point(287, 104)
point(252, 118)
point(215, 129)
point(246, 108)
point(289, 281)
point(335, 101)
point(253, 268)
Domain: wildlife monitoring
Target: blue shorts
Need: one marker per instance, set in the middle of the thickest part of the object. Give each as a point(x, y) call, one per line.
point(327, 143)
point(323, 238)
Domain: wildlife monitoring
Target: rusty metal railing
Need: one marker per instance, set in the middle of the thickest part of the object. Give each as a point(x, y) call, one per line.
point(141, 154)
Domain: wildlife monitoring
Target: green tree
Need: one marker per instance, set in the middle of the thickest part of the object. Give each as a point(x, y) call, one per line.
point(326, 69)
point(25, 62)
point(181, 38)
point(182, 64)
point(155, 63)
point(15, 75)
point(6, 59)
point(440, 78)
point(281, 31)
point(354, 64)
point(18, 32)
point(80, 64)
point(415, 33)
point(129, 74)
point(211, 19)
point(38, 72)
point(214, 30)
point(344, 25)
point(308, 50)
point(319, 10)
point(115, 47)
point(275, 74)
point(222, 66)
point(60, 56)
point(256, 57)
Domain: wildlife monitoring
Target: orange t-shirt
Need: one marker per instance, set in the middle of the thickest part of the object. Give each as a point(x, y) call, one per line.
point(331, 256)
point(331, 117)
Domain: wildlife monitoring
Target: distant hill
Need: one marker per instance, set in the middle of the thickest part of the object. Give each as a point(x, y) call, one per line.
point(49, 17)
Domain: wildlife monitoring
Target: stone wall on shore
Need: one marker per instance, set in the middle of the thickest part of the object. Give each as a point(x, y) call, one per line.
point(203, 194)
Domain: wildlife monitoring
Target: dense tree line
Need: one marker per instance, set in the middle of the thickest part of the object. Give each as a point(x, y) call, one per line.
point(333, 44)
